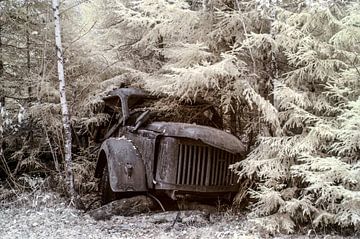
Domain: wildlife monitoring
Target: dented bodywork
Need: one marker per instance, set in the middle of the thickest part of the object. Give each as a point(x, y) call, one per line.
point(208, 135)
point(126, 168)
point(173, 158)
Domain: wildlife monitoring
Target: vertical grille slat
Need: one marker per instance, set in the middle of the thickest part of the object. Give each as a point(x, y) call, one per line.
point(208, 166)
point(189, 159)
point(203, 165)
point(232, 173)
point(198, 167)
point(216, 166)
point(226, 168)
point(221, 167)
point(179, 164)
point(228, 172)
point(185, 164)
point(213, 167)
point(193, 165)
point(228, 177)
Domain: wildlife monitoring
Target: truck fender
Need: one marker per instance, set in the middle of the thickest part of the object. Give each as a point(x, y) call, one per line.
point(124, 163)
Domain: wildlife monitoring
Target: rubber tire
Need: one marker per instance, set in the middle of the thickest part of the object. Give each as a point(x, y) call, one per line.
point(107, 194)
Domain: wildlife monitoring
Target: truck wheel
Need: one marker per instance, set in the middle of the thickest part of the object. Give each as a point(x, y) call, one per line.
point(107, 195)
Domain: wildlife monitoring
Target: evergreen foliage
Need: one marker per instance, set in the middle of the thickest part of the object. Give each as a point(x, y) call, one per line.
point(310, 173)
point(24, 47)
point(282, 73)
point(305, 53)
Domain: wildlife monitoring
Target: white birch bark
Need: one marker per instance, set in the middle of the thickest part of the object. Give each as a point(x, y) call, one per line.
point(64, 107)
point(2, 107)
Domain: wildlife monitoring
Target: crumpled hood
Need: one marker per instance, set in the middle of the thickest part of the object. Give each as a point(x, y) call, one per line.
point(211, 136)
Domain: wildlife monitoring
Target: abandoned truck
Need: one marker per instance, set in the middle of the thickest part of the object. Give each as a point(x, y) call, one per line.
point(172, 159)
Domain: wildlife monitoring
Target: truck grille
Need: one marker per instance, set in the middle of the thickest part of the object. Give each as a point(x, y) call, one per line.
point(204, 166)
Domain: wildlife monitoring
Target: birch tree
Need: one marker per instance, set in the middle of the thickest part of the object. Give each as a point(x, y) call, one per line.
point(63, 102)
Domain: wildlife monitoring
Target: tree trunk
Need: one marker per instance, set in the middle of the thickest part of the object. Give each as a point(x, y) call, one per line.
point(1, 60)
point(2, 98)
point(64, 107)
point(28, 59)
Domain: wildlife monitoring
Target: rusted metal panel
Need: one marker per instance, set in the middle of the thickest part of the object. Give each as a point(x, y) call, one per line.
point(145, 142)
point(162, 185)
point(126, 169)
point(211, 136)
point(166, 167)
point(124, 97)
point(180, 164)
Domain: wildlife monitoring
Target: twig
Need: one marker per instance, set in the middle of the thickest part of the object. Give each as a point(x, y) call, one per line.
point(73, 6)
point(158, 201)
point(56, 162)
point(175, 220)
point(353, 63)
point(79, 37)
point(19, 98)
point(13, 46)
point(9, 173)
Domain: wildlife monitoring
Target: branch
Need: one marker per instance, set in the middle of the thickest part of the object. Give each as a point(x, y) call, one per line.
point(73, 6)
point(19, 98)
point(13, 46)
point(79, 37)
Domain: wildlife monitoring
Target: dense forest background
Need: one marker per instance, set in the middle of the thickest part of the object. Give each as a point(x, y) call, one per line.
point(283, 75)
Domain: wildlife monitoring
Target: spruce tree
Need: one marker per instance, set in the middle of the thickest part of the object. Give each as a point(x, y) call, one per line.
point(310, 173)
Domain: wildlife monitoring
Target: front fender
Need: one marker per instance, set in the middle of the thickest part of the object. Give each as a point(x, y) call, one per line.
point(126, 169)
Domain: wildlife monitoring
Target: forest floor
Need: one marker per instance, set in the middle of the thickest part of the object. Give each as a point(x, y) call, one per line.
point(47, 215)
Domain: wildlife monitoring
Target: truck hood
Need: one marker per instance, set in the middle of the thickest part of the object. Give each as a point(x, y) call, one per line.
point(211, 136)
